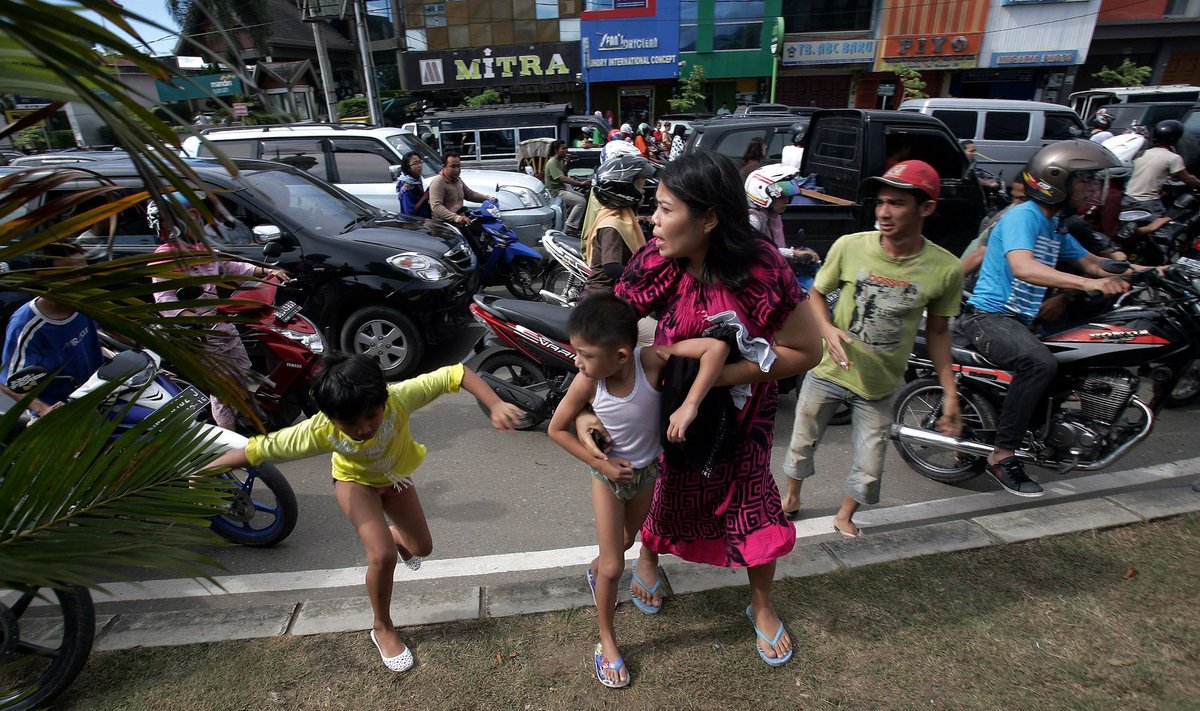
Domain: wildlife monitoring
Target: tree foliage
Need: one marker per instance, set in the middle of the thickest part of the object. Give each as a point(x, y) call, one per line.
point(910, 79)
point(689, 93)
point(1126, 74)
point(484, 98)
point(225, 18)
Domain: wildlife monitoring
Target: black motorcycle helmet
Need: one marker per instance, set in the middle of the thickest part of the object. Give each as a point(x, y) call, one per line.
point(616, 182)
point(1167, 132)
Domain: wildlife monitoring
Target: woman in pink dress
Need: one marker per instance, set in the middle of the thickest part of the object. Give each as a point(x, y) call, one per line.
point(705, 259)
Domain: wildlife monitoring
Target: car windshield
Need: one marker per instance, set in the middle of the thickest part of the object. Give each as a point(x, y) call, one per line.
point(317, 206)
point(405, 142)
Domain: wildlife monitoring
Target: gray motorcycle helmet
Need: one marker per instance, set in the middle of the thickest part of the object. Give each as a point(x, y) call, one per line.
point(615, 183)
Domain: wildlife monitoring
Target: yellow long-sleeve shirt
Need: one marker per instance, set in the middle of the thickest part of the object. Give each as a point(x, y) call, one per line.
point(385, 459)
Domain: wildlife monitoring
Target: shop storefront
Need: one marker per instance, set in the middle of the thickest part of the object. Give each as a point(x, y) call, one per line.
point(631, 59)
point(822, 70)
point(541, 72)
point(1032, 50)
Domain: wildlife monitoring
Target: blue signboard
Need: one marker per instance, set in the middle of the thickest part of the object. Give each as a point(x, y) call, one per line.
point(1035, 59)
point(634, 41)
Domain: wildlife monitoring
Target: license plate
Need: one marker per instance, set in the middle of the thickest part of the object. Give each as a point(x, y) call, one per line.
point(190, 401)
point(287, 311)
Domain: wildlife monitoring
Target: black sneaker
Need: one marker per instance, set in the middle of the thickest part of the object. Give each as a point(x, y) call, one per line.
point(1011, 475)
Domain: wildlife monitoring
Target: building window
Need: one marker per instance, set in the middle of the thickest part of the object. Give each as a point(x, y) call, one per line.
point(568, 30)
point(435, 14)
point(826, 15)
point(689, 15)
point(1182, 8)
point(415, 39)
point(547, 9)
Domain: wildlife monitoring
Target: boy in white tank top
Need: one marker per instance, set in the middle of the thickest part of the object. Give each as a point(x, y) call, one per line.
point(622, 383)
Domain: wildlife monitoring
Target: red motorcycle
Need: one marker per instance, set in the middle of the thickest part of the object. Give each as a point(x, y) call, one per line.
point(1090, 415)
point(526, 356)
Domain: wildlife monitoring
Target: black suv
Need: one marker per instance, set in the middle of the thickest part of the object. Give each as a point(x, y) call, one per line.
point(378, 284)
point(729, 135)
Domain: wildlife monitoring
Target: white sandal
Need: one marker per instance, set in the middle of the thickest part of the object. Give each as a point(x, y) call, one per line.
point(400, 663)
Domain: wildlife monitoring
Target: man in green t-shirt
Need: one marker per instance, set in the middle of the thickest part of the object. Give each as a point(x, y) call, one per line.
point(559, 184)
point(888, 279)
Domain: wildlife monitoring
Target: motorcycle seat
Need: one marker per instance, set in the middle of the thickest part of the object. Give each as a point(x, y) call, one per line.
point(547, 319)
point(570, 244)
point(961, 351)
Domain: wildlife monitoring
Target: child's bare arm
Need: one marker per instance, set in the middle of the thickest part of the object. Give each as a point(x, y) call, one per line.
point(711, 353)
point(504, 415)
point(579, 394)
point(233, 459)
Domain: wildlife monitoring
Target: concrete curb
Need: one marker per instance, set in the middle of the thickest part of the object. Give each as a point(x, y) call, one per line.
point(125, 630)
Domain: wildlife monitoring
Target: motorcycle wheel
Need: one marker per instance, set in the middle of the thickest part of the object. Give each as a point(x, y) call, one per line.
point(263, 511)
point(521, 278)
point(560, 281)
point(1187, 389)
point(919, 404)
point(518, 370)
point(41, 655)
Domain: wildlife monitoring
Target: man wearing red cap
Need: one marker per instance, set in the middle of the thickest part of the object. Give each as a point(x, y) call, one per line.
point(888, 278)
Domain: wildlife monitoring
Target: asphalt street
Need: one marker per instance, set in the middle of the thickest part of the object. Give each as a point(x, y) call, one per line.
point(486, 492)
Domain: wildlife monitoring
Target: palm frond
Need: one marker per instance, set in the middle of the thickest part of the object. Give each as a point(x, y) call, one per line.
point(79, 499)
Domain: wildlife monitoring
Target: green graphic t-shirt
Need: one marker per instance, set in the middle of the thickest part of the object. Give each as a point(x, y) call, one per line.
point(880, 306)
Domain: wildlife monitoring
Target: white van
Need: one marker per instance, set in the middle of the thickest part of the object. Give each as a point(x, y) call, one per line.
point(1006, 132)
point(1086, 102)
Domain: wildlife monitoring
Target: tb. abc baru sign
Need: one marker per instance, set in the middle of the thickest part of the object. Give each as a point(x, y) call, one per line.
point(634, 41)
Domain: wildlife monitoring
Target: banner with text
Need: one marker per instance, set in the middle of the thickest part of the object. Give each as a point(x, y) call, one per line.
point(505, 65)
point(631, 44)
point(828, 51)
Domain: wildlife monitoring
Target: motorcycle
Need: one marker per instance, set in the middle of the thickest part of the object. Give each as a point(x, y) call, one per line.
point(1179, 237)
point(499, 254)
point(526, 356)
point(564, 282)
point(1090, 415)
point(41, 660)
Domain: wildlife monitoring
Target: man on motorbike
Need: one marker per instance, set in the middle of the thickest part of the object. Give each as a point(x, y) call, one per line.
point(1018, 267)
point(1098, 126)
point(560, 184)
point(447, 191)
point(615, 234)
point(1151, 170)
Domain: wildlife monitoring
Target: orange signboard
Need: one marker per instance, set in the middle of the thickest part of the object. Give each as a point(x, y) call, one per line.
point(947, 50)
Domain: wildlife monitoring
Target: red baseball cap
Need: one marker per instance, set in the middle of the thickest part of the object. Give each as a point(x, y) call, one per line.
point(910, 175)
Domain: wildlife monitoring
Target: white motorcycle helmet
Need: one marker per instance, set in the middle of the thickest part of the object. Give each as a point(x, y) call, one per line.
point(768, 183)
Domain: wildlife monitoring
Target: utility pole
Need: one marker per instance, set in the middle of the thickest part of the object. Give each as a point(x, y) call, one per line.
point(316, 13)
point(368, 66)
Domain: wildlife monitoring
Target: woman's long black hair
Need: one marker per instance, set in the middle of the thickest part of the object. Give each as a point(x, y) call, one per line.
point(706, 180)
point(405, 161)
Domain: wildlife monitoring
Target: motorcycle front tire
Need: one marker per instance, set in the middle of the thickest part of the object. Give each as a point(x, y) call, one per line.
point(258, 523)
point(520, 371)
point(521, 278)
point(919, 404)
point(29, 686)
point(1187, 388)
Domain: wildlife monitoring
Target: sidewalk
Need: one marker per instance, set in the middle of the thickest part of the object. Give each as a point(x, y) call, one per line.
point(136, 615)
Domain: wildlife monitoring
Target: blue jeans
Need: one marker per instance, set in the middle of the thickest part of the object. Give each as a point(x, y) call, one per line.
point(818, 401)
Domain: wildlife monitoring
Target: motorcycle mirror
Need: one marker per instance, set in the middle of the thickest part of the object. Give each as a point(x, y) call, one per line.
point(272, 251)
point(189, 293)
point(27, 379)
point(1113, 266)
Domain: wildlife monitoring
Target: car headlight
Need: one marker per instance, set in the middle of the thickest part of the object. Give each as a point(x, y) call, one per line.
point(527, 197)
point(418, 265)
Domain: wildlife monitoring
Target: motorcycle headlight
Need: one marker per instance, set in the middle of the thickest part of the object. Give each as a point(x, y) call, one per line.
point(312, 341)
point(419, 265)
point(527, 197)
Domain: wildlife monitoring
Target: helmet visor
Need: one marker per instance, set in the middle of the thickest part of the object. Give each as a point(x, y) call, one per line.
point(1089, 188)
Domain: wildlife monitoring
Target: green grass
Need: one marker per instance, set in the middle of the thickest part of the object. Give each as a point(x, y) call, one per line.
point(1101, 620)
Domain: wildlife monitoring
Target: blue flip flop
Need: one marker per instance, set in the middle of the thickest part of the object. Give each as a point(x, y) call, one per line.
point(602, 665)
point(591, 579)
point(773, 661)
point(637, 601)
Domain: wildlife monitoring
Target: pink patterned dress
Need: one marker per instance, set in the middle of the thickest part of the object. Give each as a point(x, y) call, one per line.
point(734, 517)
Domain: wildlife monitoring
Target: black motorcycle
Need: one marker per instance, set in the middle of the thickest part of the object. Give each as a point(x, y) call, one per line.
point(1090, 415)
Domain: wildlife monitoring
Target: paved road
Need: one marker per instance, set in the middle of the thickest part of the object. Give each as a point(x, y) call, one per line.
point(487, 492)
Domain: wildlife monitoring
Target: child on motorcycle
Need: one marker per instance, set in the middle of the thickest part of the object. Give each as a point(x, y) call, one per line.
point(223, 342)
point(622, 384)
point(364, 423)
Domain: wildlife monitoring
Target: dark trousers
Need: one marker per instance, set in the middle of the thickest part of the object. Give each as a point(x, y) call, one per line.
point(1009, 344)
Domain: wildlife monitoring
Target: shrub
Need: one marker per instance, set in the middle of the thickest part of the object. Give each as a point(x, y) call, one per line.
point(62, 139)
point(356, 106)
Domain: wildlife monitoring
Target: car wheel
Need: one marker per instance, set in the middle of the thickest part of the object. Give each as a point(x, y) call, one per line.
point(386, 335)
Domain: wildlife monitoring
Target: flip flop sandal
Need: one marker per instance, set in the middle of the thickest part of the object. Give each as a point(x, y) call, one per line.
point(413, 563)
point(400, 663)
point(602, 665)
point(650, 591)
point(773, 661)
point(591, 580)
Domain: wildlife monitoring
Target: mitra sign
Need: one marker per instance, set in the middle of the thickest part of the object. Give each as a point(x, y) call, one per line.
point(493, 66)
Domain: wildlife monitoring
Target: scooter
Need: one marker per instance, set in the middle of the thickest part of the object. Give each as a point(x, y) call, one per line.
point(44, 660)
point(526, 356)
point(500, 256)
point(564, 282)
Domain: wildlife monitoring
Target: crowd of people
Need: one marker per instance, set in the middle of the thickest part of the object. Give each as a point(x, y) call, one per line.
point(677, 430)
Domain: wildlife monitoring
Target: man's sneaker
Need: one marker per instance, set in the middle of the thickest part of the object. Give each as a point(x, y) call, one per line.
point(1011, 475)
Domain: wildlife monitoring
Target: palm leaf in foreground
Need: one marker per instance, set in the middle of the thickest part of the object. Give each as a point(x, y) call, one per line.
point(78, 499)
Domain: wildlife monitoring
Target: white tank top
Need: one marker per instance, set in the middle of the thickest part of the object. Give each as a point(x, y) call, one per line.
point(633, 421)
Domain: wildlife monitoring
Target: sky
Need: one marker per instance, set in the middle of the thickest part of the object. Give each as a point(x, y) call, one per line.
point(160, 42)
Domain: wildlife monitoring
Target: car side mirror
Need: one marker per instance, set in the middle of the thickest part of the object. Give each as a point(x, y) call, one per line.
point(267, 233)
point(395, 171)
point(27, 379)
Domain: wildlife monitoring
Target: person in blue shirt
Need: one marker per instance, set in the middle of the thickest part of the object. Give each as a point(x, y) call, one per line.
point(47, 334)
point(1020, 264)
point(410, 188)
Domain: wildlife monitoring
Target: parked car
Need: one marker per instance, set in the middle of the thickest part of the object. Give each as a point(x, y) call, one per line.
point(686, 119)
point(364, 161)
point(1146, 113)
point(8, 154)
point(376, 283)
point(1006, 132)
point(729, 135)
